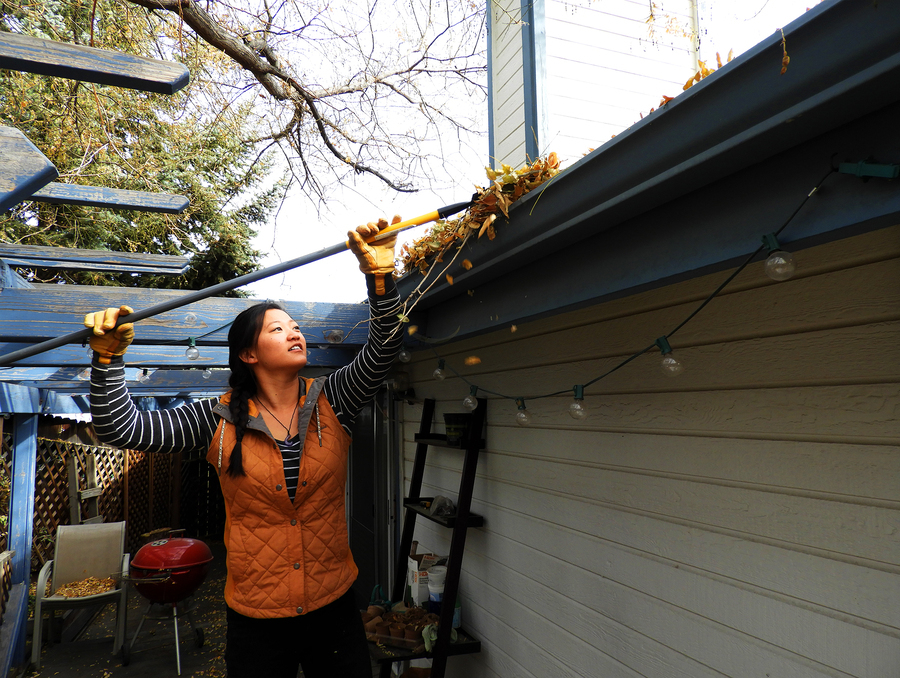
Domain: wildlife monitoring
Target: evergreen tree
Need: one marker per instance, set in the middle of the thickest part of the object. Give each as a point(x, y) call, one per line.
point(120, 138)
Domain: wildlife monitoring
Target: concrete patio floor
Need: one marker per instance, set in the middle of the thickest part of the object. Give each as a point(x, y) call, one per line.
point(153, 653)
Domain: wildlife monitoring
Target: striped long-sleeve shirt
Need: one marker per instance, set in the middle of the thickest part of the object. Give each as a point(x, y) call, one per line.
point(190, 428)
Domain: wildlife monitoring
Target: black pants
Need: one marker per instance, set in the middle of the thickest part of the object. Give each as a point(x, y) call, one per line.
point(328, 643)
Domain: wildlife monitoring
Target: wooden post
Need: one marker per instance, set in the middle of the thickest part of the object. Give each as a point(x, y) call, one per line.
point(21, 512)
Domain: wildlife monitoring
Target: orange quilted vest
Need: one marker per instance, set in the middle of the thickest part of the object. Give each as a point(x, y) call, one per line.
point(284, 559)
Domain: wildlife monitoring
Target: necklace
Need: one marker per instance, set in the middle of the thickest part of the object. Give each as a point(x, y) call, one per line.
point(286, 428)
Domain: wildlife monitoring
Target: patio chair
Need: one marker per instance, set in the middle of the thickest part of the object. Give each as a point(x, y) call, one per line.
point(82, 551)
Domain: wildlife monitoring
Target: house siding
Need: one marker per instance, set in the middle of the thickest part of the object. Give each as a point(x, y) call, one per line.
point(740, 519)
point(508, 81)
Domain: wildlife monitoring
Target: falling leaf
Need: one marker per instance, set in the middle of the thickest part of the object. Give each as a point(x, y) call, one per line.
point(413, 329)
point(449, 279)
point(471, 293)
point(513, 328)
point(718, 60)
point(466, 264)
point(472, 360)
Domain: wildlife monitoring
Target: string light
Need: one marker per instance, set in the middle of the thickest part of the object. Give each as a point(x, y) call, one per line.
point(190, 319)
point(671, 366)
point(439, 372)
point(577, 409)
point(192, 351)
point(470, 402)
point(779, 264)
point(207, 373)
point(144, 376)
point(522, 416)
point(405, 355)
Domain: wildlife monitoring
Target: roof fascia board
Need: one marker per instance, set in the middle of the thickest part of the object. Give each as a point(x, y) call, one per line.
point(712, 229)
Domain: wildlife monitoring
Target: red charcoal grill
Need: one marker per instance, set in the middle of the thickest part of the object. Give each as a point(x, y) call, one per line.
point(167, 572)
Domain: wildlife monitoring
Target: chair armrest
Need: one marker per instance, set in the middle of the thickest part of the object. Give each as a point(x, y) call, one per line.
point(126, 564)
point(43, 578)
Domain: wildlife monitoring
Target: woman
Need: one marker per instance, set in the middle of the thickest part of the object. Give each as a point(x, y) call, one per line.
point(279, 443)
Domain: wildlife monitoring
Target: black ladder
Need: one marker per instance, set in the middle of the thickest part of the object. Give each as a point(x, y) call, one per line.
point(471, 444)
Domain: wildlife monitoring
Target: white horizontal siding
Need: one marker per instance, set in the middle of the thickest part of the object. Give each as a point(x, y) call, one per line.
point(740, 520)
point(508, 95)
point(605, 69)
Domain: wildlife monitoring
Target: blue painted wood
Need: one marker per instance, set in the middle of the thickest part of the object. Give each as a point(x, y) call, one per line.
point(670, 198)
point(24, 169)
point(9, 278)
point(92, 260)
point(12, 631)
point(154, 356)
point(21, 499)
point(88, 64)
point(14, 398)
point(111, 198)
point(51, 310)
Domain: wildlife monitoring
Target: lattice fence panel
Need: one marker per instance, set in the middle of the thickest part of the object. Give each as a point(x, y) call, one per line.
point(51, 498)
point(161, 468)
point(138, 496)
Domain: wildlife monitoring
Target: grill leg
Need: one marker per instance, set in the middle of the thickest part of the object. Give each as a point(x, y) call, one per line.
point(177, 648)
point(143, 619)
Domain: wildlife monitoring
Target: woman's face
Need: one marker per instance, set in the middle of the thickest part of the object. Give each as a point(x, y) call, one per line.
point(279, 346)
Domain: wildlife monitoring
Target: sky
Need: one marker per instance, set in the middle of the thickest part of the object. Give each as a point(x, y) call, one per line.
point(298, 230)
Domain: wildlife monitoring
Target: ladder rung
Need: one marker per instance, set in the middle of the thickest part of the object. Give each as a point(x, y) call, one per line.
point(95, 519)
point(90, 492)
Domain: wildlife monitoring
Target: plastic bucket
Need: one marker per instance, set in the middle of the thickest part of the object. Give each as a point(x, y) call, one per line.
point(436, 576)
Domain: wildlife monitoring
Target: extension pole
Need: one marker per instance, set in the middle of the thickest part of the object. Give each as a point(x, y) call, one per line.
point(83, 335)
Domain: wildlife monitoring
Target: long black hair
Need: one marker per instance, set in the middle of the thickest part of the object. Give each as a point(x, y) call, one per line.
point(243, 335)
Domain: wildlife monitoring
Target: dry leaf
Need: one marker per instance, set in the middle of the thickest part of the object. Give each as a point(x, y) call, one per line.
point(466, 264)
point(513, 328)
point(449, 279)
point(413, 329)
point(471, 293)
point(472, 360)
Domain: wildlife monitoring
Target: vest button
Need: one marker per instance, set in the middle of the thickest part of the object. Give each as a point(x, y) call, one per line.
point(299, 610)
point(296, 566)
point(278, 488)
point(293, 521)
point(303, 483)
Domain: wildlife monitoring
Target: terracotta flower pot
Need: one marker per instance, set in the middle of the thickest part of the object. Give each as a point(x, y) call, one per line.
point(383, 629)
point(398, 630)
point(372, 624)
point(375, 611)
point(412, 633)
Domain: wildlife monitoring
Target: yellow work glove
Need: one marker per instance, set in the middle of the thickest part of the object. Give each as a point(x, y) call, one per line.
point(108, 344)
point(377, 257)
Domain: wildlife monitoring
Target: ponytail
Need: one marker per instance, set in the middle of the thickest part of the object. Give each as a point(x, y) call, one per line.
point(243, 335)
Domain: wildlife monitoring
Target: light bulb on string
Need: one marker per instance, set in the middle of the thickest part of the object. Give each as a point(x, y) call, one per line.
point(334, 336)
point(207, 373)
point(144, 376)
point(192, 352)
point(439, 371)
point(85, 374)
point(671, 366)
point(470, 402)
point(405, 355)
point(190, 319)
point(522, 416)
point(779, 264)
point(577, 409)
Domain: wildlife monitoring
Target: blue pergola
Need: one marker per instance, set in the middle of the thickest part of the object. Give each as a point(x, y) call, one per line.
point(52, 382)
